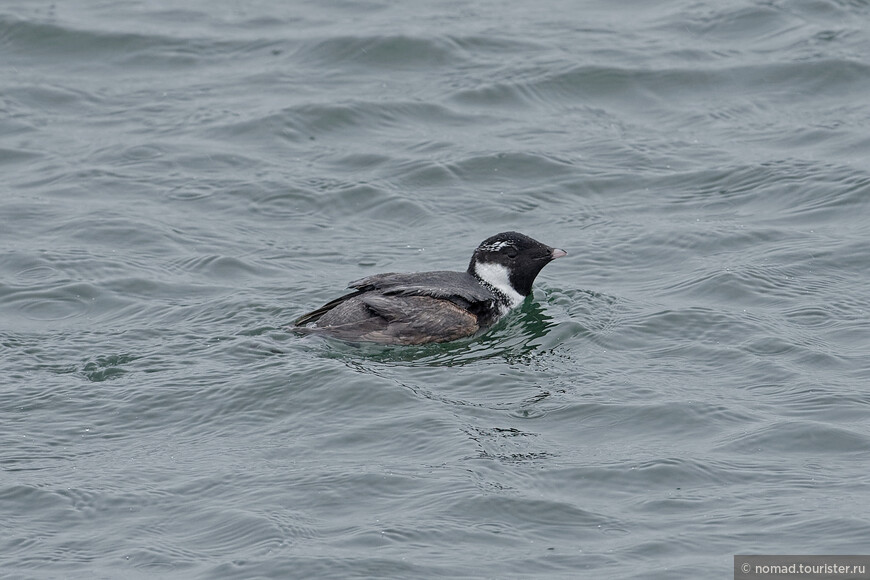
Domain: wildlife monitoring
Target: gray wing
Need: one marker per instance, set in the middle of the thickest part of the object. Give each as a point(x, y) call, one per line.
point(446, 285)
point(396, 320)
point(316, 315)
point(379, 295)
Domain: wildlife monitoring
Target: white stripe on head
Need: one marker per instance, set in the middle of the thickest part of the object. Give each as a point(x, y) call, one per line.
point(496, 276)
point(495, 246)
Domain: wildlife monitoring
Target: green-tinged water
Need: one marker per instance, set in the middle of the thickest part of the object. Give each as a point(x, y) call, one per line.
point(180, 182)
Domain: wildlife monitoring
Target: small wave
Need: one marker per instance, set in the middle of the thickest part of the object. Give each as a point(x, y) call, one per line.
point(799, 437)
point(395, 52)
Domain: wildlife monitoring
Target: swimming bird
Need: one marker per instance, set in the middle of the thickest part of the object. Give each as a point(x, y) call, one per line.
point(424, 307)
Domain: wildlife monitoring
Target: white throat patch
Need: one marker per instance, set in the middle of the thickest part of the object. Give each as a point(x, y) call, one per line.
point(496, 276)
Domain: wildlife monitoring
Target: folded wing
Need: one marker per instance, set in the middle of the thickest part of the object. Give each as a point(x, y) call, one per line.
point(395, 319)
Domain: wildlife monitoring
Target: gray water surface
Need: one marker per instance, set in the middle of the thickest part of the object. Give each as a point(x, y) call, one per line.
point(181, 181)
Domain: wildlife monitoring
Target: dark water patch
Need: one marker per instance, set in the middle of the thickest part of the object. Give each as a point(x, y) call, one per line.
point(496, 46)
point(92, 45)
point(690, 325)
point(508, 445)
point(430, 431)
point(799, 437)
point(797, 29)
point(733, 23)
point(56, 303)
point(744, 285)
point(502, 94)
point(116, 229)
point(15, 121)
point(426, 174)
point(108, 367)
point(41, 104)
point(522, 513)
point(788, 192)
point(213, 266)
point(507, 167)
point(320, 566)
point(393, 52)
point(671, 412)
point(319, 120)
point(815, 317)
point(373, 202)
point(276, 202)
point(661, 476)
point(80, 48)
point(339, 133)
point(831, 402)
point(628, 88)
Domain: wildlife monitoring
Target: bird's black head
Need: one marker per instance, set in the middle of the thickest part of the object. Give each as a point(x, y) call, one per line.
point(511, 261)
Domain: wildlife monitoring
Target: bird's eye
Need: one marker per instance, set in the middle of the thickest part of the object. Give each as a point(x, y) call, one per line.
point(510, 252)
